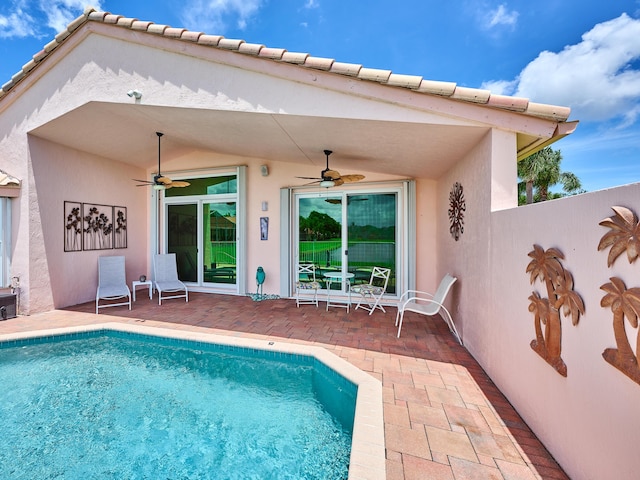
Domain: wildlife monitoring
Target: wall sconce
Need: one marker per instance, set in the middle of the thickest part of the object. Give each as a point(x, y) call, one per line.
point(265, 206)
point(264, 170)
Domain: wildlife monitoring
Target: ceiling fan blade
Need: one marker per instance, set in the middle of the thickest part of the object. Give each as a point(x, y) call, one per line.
point(352, 178)
point(163, 180)
point(310, 178)
point(313, 183)
point(142, 181)
point(337, 182)
point(179, 183)
point(330, 175)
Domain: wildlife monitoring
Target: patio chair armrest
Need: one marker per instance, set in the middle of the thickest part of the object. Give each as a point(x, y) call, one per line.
point(413, 293)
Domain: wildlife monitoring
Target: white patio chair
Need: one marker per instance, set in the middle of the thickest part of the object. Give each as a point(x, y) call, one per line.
point(112, 282)
point(167, 281)
point(306, 283)
point(371, 293)
point(427, 304)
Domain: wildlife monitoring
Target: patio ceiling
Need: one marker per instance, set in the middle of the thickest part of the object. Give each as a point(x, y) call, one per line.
point(126, 133)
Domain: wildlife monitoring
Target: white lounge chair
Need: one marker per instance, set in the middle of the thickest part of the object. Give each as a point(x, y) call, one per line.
point(166, 271)
point(112, 282)
point(306, 283)
point(371, 293)
point(427, 304)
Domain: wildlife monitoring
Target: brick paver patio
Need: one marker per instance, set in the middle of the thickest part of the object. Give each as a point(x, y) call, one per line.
point(443, 417)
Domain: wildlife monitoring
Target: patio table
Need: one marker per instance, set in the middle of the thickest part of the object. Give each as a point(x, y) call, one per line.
point(346, 280)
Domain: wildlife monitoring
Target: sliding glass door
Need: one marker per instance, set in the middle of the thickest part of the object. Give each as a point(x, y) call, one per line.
point(349, 233)
point(202, 230)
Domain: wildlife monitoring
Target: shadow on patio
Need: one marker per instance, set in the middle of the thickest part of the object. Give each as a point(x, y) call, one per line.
point(444, 418)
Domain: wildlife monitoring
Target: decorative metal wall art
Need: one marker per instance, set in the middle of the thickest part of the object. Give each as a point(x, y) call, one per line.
point(89, 226)
point(120, 231)
point(623, 235)
point(546, 267)
point(73, 226)
point(457, 207)
point(97, 226)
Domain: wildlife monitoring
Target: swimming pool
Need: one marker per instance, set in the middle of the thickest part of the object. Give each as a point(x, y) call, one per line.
point(173, 427)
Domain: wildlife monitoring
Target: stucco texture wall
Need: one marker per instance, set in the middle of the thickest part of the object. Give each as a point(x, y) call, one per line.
point(589, 419)
point(58, 278)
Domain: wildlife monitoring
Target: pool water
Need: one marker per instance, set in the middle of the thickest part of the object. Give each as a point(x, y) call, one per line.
point(118, 405)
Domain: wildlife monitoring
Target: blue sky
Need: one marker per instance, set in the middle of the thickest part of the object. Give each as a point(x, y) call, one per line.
point(584, 54)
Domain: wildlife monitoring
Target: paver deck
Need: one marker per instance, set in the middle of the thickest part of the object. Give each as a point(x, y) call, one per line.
point(443, 416)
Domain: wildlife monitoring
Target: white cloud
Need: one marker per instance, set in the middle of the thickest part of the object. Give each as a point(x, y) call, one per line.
point(311, 4)
point(17, 24)
point(22, 19)
point(501, 17)
point(500, 87)
point(598, 77)
point(214, 16)
point(60, 13)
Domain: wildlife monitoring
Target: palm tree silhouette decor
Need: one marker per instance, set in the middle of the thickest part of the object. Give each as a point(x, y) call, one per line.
point(546, 267)
point(623, 236)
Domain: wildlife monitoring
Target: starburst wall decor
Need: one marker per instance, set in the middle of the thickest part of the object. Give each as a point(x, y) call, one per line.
point(457, 208)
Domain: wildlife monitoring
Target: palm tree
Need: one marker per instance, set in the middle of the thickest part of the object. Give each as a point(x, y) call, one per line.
point(541, 171)
point(624, 303)
point(568, 299)
point(624, 235)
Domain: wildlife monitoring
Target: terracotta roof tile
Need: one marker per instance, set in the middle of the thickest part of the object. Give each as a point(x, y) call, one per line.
point(384, 77)
point(434, 87)
point(474, 95)
point(516, 104)
point(157, 28)
point(126, 22)
point(374, 75)
point(140, 25)
point(230, 43)
point(174, 32)
point(350, 69)
point(210, 40)
point(112, 19)
point(250, 48)
point(272, 53)
point(408, 81)
point(190, 36)
point(319, 63)
point(294, 57)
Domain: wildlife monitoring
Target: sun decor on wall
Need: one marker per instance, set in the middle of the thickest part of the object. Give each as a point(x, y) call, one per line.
point(457, 207)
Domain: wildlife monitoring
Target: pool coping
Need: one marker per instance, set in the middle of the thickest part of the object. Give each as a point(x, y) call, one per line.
point(367, 460)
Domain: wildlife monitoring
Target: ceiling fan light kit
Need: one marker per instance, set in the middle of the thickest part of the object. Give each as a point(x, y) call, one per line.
point(332, 178)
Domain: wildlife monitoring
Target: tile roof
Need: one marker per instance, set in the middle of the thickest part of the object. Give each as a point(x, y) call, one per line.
point(304, 60)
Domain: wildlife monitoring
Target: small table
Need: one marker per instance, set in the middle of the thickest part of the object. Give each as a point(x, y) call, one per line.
point(137, 283)
point(344, 278)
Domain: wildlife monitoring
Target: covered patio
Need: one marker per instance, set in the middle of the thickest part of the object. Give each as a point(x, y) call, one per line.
point(443, 417)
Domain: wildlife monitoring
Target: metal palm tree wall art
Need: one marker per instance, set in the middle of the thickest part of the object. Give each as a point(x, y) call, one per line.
point(623, 236)
point(561, 298)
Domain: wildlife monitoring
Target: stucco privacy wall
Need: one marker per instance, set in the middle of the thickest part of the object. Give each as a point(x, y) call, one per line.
point(468, 258)
point(60, 173)
point(589, 420)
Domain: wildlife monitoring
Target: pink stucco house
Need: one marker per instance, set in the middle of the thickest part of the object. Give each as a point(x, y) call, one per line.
point(241, 123)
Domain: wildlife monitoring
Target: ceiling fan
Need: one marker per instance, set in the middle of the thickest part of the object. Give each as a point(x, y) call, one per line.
point(160, 182)
point(332, 178)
